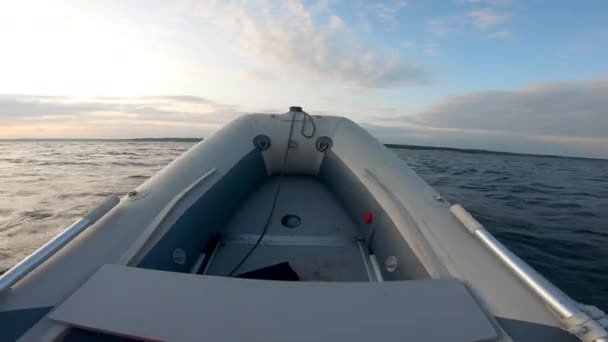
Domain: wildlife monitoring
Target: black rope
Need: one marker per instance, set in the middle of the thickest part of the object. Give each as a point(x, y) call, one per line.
point(278, 186)
point(314, 127)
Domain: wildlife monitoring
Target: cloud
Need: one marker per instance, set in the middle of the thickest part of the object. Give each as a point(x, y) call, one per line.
point(496, 3)
point(388, 9)
point(442, 26)
point(336, 23)
point(259, 75)
point(565, 109)
point(285, 36)
point(562, 118)
point(478, 18)
point(486, 18)
point(116, 117)
point(565, 118)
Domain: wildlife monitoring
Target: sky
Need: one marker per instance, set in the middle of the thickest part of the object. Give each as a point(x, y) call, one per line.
point(507, 75)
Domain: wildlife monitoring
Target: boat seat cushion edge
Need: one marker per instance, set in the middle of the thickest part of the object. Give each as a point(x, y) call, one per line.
point(160, 305)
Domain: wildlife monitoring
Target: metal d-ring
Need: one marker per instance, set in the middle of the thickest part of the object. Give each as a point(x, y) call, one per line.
point(261, 142)
point(324, 143)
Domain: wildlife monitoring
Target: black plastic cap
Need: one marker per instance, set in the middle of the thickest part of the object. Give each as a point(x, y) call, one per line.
point(295, 109)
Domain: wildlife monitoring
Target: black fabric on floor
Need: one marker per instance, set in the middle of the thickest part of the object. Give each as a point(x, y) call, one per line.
point(281, 271)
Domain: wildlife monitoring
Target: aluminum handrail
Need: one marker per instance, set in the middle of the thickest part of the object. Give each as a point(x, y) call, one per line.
point(27, 265)
point(564, 307)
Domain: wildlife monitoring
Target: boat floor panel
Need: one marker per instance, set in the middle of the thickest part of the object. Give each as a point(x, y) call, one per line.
point(339, 262)
point(319, 211)
point(322, 247)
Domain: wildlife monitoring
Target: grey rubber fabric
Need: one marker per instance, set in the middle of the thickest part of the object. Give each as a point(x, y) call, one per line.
point(135, 302)
point(531, 332)
point(357, 200)
point(82, 335)
point(207, 215)
point(15, 323)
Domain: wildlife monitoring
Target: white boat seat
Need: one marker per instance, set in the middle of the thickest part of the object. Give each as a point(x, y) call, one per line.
point(158, 305)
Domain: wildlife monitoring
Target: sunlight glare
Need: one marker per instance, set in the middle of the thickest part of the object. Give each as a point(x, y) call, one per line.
point(62, 49)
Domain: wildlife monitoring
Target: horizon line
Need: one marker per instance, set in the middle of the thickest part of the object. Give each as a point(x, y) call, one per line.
point(389, 145)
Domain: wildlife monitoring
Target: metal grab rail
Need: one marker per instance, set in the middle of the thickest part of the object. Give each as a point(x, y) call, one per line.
point(25, 266)
point(565, 308)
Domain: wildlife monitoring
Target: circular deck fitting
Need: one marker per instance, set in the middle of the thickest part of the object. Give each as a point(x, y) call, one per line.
point(135, 195)
point(261, 142)
point(291, 221)
point(324, 143)
point(391, 264)
point(179, 256)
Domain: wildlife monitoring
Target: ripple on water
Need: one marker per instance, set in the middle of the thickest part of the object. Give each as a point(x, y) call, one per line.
point(83, 195)
point(36, 214)
point(138, 176)
point(134, 164)
point(121, 153)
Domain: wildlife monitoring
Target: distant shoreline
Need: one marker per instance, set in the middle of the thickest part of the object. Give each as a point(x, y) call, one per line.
point(396, 146)
point(480, 151)
point(102, 139)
